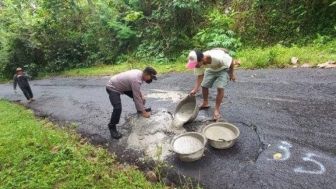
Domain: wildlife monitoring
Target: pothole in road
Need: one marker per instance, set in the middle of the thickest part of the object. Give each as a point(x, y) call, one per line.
point(235, 164)
point(152, 136)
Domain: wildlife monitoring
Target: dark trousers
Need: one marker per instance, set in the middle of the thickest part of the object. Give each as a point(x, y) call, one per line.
point(116, 103)
point(27, 92)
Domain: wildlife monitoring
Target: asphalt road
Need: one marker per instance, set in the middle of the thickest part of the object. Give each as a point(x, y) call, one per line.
point(289, 111)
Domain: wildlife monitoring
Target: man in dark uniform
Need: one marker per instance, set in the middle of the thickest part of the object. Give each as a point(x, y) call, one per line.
point(21, 79)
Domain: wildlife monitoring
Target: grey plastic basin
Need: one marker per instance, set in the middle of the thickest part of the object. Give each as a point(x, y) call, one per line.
point(221, 135)
point(186, 111)
point(189, 146)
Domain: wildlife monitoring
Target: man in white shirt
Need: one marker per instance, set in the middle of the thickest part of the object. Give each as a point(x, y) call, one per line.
point(213, 68)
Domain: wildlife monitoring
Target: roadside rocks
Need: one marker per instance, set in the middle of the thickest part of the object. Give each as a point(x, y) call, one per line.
point(151, 176)
point(154, 178)
point(329, 64)
point(294, 60)
point(306, 65)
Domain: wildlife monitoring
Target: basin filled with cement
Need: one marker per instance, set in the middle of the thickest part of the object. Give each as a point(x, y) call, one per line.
point(186, 111)
point(221, 135)
point(189, 146)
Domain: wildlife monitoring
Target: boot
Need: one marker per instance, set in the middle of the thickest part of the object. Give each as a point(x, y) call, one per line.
point(114, 133)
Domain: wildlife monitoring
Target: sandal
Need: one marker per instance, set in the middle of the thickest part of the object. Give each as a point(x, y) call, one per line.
point(203, 107)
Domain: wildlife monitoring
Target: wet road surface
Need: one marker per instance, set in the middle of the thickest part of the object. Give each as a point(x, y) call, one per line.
point(291, 112)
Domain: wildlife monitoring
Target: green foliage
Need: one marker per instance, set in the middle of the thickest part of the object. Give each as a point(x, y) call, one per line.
point(36, 154)
point(162, 67)
point(55, 35)
point(217, 32)
point(52, 36)
point(262, 22)
point(167, 27)
point(277, 56)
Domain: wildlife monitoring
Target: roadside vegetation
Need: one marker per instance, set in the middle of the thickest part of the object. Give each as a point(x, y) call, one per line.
point(37, 154)
point(104, 69)
point(277, 56)
point(51, 37)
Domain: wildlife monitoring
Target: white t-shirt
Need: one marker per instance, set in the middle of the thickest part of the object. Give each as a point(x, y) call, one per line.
point(219, 61)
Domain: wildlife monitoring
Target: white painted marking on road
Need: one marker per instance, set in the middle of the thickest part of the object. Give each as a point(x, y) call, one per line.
point(308, 157)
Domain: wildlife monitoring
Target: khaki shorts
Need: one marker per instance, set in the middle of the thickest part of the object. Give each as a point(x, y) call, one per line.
point(218, 79)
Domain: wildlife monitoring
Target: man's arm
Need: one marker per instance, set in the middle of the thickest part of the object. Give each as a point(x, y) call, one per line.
point(27, 76)
point(231, 71)
point(14, 82)
point(199, 73)
point(198, 82)
point(138, 101)
point(143, 98)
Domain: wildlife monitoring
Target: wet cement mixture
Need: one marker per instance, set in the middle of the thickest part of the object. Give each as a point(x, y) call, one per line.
point(183, 114)
point(152, 135)
point(286, 118)
point(220, 133)
point(187, 145)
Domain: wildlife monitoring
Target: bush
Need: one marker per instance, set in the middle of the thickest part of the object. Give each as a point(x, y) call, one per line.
point(51, 36)
point(216, 33)
point(271, 22)
point(59, 35)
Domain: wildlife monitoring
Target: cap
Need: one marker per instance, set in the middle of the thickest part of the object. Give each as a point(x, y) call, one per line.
point(19, 69)
point(151, 71)
point(193, 58)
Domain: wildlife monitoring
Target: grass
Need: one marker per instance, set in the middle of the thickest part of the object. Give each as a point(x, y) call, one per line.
point(37, 154)
point(101, 70)
point(279, 56)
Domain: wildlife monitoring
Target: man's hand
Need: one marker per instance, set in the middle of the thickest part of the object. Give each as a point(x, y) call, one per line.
point(232, 77)
point(193, 92)
point(145, 114)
